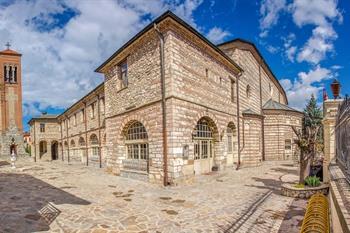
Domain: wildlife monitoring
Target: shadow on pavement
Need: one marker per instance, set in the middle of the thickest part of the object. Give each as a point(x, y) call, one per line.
point(268, 184)
point(26, 203)
point(286, 171)
point(294, 217)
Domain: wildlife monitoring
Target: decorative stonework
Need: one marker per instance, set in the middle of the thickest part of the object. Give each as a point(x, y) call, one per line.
point(307, 192)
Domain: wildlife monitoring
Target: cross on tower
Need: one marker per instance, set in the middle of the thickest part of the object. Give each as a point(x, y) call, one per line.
point(8, 45)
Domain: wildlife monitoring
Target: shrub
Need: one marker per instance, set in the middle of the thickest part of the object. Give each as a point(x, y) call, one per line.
point(312, 181)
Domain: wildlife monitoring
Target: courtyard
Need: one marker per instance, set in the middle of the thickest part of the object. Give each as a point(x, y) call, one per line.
point(57, 197)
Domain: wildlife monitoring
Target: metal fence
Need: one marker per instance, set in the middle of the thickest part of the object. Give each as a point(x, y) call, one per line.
point(342, 134)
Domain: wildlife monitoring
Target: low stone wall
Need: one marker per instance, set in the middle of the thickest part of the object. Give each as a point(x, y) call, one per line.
point(305, 193)
point(339, 199)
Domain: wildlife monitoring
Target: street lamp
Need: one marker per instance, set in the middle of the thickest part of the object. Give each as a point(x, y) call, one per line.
point(335, 86)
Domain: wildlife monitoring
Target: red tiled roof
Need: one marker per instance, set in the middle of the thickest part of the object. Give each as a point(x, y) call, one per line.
point(10, 52)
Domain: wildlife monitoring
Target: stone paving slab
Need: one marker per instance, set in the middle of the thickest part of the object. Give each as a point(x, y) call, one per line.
point(56, 197)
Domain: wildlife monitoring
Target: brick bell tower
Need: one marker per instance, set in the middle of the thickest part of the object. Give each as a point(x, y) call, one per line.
point(11, 130)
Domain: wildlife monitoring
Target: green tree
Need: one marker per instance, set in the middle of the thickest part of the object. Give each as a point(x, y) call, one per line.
point(309, 140)
point(313, 116)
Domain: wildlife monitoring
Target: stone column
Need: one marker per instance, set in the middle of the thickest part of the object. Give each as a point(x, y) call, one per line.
point(330, 109)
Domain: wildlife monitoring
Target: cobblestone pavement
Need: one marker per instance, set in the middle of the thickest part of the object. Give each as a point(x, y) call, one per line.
point(56, 197)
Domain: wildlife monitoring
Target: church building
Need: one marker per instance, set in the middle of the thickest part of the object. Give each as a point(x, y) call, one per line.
point(173, 106)
point(11, 135)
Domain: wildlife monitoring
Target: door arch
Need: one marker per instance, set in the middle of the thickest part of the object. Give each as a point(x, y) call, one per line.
point(54, 150)
point(82, 145)
point(42, 148)
point(204, 136)
point(231, 144)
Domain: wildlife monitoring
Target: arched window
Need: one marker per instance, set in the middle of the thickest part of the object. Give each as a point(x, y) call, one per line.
point(248, 92)
point(94, 144)
point(93, 139)
point(203, 139)
point(270, 89)
point(72, 143)
point(136, 139)
point(81, 141)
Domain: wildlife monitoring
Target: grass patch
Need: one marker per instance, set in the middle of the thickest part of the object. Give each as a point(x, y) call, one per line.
point(299, 186)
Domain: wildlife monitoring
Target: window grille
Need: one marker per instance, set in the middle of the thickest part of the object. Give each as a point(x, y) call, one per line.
point(136, 132)
point(203, 140)
point(203, 129)
point(136, 140)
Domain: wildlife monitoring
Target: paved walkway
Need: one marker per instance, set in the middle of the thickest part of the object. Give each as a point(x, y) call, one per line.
point(56, 197)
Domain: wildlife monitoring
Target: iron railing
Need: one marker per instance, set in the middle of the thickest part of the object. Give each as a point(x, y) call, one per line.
point(342, 134)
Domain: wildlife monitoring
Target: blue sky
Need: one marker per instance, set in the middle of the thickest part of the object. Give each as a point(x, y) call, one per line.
point(62, 42)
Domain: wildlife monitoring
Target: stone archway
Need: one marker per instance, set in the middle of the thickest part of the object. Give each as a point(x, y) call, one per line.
point(54, 150)
point(205, 135)
point(42, 148)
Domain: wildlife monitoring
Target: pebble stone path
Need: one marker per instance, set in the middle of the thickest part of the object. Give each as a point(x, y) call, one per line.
point(57, 197)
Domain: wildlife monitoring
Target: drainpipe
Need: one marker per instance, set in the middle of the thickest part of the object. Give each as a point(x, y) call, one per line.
point(34, 143)
point(99, 129)
point(67, 138)
point(86, 139)
point(61, 141)
point(262, 121)
point(162, 78)
point(238, 123)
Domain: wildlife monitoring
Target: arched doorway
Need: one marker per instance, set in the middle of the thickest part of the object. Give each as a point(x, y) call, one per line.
point(94, 146)
point(232, 148)
point(203, 138)
point(72, 150)
point(136, 142)
point(54, 150)
point(65, 150)
point(42, 148)
point(82, 145)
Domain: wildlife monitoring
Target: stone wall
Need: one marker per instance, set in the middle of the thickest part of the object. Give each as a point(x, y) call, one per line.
point(277, 129)
point(262, 87)
point(330, 109)
point(46, 138)
point(197, 85)
point(74, 131)
point(82, 122)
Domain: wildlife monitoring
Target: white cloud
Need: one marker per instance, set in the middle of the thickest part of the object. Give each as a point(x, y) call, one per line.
point(290, 49)
point(58, 62)
point(318, 45)
point(272, 49)
point(315, 12)
point(270, 11)
point(322, 14)
point(336, 67)
point(217, 35)
point(290, 53)
point(300, 90)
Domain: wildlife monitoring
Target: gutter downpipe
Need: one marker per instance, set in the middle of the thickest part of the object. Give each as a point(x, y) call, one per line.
point(34, 143)
point(262, 121)
point(238, 123)
point(61, 141)
point(67, 138)
point(162, 78)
